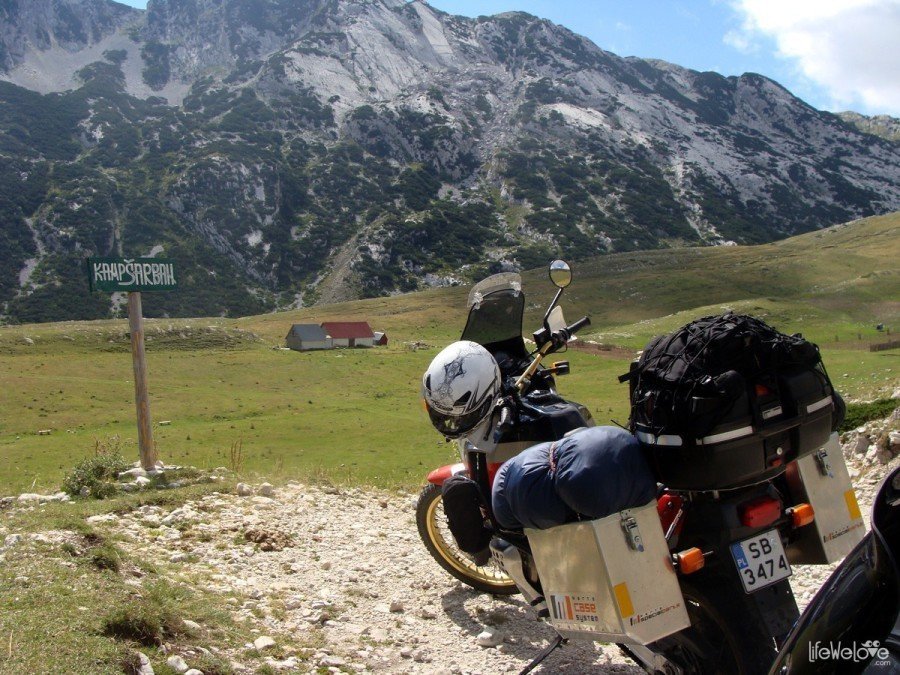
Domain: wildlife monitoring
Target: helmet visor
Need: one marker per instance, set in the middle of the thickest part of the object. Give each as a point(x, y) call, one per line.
point(454, 426)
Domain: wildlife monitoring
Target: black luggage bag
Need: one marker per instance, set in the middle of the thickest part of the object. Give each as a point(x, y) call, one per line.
point(726, 401)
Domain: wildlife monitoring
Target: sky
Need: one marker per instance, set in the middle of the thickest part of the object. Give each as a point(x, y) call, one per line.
point(834, 54)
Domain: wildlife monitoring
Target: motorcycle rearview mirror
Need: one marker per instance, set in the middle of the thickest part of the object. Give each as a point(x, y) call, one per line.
point(561, 276)
point(560, 273)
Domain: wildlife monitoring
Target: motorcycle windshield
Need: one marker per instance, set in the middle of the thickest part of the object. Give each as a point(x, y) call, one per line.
point(496, 306)
point(856, 608)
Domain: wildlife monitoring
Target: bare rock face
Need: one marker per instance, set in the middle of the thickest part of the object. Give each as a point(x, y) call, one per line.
point(28, 26)
point(319, 149)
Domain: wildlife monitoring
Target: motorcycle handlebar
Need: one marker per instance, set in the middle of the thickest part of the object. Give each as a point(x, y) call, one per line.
point(578, 325)
point(563, 336)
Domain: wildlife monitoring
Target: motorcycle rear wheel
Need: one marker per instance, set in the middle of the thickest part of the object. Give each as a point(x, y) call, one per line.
point(722, 637)
point(432, 525)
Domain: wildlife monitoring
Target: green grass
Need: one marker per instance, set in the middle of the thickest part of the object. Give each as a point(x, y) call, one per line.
point(348, 416)
point(355, 416)
point(69, 607)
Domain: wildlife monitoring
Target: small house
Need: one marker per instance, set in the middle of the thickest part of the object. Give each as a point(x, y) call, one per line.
point(381, 339)
point(349, 333)
point(306, 336)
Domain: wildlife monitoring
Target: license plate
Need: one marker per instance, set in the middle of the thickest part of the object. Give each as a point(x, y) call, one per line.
point(761, 560)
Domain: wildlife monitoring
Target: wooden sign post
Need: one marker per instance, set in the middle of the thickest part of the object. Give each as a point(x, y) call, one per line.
point(141, 398)
point(134, 275)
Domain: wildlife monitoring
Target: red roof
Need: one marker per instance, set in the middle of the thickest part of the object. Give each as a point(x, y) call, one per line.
point(341, 330)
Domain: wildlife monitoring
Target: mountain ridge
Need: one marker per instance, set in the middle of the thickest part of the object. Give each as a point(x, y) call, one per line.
point(376, 146)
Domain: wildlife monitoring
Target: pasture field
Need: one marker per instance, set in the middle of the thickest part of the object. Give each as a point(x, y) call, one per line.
point(224, 393)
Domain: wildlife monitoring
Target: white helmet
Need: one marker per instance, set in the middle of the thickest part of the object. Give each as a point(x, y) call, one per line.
point(459, 387)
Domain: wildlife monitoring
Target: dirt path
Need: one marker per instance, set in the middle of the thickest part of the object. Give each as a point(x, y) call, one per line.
point(345, 572)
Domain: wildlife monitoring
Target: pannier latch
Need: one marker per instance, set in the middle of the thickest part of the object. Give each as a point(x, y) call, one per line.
point(632, 533)
point(823, 464)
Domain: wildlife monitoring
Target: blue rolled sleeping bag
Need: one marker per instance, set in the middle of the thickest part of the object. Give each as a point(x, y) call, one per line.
point(523, 494)
point(592, 473)
point(602, 470)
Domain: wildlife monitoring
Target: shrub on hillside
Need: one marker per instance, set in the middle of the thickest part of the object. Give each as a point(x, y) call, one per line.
point(860, 413)
point(99, 472)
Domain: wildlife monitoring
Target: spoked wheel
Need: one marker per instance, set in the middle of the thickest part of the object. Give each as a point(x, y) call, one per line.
point(436, 535)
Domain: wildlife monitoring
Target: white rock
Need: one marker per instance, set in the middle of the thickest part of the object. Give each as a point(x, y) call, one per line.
point(12, 540)
point(244, 490)
point(266, 490)
point(379, 634)
point(142, 481)
point(179, 558)
point(29, 498)
point(290, 663)
point(191, 625)
point(151, 520)
point(133, 473)
point(57, 497)
point(489, 638)
point(862, 444)
point(193, 671)
point(183, 514)
point(263, 642)
point(146, 668)
point(177, 664)
point(103, 518)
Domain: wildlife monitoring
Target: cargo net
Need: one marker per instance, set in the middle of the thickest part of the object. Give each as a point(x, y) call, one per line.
point(686, 382)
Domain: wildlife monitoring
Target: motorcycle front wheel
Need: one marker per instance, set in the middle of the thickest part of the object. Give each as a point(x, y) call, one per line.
point(436, 536)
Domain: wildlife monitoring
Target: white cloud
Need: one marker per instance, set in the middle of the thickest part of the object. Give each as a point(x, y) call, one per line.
point(849, 47)
point(740, 40)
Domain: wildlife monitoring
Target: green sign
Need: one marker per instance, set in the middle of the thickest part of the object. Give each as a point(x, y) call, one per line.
point(131, 274)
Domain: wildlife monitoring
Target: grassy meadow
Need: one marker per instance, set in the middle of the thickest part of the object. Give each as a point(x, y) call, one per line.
point(224, 393)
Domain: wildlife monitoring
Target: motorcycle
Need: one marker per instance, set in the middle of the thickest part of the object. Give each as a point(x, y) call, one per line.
point(496, 307)
point(731, 550)
point(852, 624)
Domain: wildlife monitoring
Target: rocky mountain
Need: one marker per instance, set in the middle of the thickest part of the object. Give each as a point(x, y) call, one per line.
point(879, 125)
point(286, 152)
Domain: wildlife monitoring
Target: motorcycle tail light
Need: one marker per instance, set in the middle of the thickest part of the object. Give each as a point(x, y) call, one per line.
point(760, 512)
point(802, 514)
point(690, 560)
point(667, 507)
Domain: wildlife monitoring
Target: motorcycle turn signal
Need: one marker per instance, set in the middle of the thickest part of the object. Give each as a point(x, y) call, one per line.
point(801, 515)
point(689, 561)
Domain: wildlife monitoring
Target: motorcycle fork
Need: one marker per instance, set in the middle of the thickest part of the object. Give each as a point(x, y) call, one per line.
point(478, 472)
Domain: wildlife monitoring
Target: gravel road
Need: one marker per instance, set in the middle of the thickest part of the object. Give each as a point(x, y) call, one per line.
point(345, 573)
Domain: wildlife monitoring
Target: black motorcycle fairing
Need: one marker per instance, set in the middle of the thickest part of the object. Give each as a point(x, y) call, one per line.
point(857, 606)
